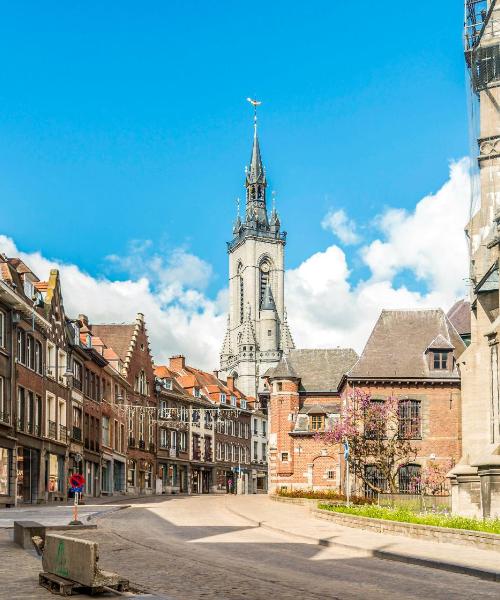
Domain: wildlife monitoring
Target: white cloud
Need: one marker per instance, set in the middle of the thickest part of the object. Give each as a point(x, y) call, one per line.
point(341, 226)
point(179, 319)
point(324, 308)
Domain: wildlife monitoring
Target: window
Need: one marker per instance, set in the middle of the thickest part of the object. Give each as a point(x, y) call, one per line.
point(39, 357)
point(264, 452)
point(141, 384)
point(243, 403)
point(21, 346)
point(4, 413)
point(151, 431)
point(440, 359)
point(182, 438)
point(375, 424)
point(219, 451)
point(279, 386)
point(105, 431)
point(2, 330)
point(61, 365)
point(241, 293)
point(374, 476)
point(131, 473)
point(264, 428)
point(226, 451)
point(317, 422)
point(196, 392)
point(409, 479)
point(30, 352)
point(51, 360)
point(330, 474)
point(284, 457)
point(141, 426)
point(168, 384)
point(410, 419)
point(255, 451)
point(223, 398)
point(233, 400)
point(164, 438)
point(21, 408)
point(233, 453)
point(264, 279)
point(255, 427)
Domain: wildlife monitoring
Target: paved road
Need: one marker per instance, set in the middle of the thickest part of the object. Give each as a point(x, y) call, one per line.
point(193, 548)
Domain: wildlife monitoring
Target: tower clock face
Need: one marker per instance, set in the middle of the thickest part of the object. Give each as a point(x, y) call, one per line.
point(265, 268)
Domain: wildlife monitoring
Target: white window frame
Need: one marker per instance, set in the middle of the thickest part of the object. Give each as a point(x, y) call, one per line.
point(243, 403)
point(223, 398)
point(50, 367)
point(233, 400)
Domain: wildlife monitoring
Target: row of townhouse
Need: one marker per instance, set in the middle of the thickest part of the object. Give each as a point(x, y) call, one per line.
point(77, 397)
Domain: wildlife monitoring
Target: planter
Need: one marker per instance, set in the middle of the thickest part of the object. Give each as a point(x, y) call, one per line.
point(464, 537)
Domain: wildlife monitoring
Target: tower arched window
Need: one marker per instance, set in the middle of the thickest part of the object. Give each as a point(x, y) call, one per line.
point(241, 293)
point(265, 276)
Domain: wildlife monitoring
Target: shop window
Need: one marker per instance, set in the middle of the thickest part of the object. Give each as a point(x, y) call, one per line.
point(131, 473)
point(5, 459)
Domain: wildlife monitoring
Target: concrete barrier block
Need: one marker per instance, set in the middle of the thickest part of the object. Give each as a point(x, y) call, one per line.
point(75, 559)
point(25, 530)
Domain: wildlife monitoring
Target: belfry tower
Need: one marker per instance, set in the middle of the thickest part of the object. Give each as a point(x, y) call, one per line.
point(257, 332)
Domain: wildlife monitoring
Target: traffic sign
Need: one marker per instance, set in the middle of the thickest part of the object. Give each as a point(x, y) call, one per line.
point(76, 482)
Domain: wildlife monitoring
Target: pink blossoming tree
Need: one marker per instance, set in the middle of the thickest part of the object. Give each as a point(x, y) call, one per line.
point(378, 441)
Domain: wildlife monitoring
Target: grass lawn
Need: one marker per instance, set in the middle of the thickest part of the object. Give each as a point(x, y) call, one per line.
point(404, 515)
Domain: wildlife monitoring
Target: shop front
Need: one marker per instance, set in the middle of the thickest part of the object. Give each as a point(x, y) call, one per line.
point(7, 479)
point(119, 484)
point(107, 475)
point(55, 480)
point(28, 475)
point(174, 477)
point(92, 477)
point(200, 479)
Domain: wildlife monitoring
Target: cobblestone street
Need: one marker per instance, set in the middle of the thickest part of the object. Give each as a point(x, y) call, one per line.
point(191, 548)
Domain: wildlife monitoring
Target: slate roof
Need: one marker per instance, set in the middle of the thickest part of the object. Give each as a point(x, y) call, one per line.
point(459, 315)
point(318, 370)
point(397, 345)
point(283, 369)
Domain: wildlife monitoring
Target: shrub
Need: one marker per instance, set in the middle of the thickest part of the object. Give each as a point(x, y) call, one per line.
point(404, 515)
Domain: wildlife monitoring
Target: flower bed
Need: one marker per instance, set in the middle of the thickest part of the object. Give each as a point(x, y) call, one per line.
point(403, 515)
point(320, 495)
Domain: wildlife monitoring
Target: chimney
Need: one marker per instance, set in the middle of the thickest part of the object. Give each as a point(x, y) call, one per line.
point(177, 362)
point(216, 373)
point(230, 382)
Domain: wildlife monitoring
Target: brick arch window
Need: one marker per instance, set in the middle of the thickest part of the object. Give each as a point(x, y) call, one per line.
point(409, 479)
point(410, 419)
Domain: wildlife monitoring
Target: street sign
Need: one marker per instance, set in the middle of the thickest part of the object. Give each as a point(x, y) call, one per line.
point(77, 482)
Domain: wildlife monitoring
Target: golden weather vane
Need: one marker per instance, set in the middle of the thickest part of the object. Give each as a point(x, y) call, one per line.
point(254, 103)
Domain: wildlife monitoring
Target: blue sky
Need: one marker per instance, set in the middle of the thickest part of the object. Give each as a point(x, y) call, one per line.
point(124, 131)
point(128, 120)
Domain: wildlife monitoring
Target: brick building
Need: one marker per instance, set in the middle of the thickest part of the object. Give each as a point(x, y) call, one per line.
point(185, 458)
point(412, 354)
point(229, 419)
point(130, 356)
point(305, 395)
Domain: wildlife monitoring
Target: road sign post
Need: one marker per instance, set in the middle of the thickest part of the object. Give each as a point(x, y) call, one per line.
point(76, 482)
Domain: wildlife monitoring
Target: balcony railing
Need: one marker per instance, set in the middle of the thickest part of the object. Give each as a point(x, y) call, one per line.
point(4, 416)
point(52, 431)
point(63, 433)
point(77, 434)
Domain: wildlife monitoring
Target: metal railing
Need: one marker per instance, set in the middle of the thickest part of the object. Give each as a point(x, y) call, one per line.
point(77, 434)
point(4, 416)
point(63, 433)
point(52, 430)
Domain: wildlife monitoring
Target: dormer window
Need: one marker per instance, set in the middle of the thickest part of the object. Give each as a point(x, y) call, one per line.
point(168, 384)
point(243, 403)
point(223, 398)
point(196, 392)
point(440, 359)
point(233, 400)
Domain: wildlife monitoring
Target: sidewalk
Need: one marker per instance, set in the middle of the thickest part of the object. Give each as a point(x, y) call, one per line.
point(298, 522)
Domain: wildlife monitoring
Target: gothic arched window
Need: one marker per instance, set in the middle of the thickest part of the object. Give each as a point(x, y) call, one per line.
point(264, 274)
point(241, 293)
